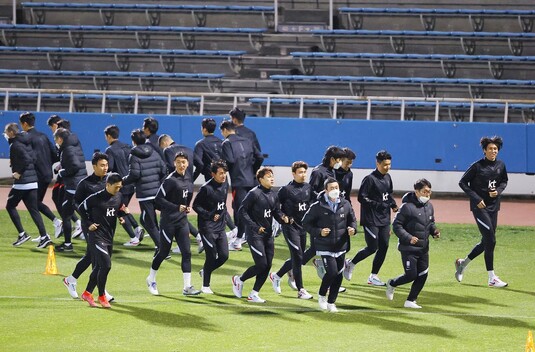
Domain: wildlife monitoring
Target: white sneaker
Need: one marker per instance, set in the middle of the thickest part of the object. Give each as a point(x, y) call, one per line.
point(322, 301)
point(207, 290)
point(496, 282)
point(58, 228)
point(109, 297)
point(375, 281)
point(237, 286)
point(140, 233)
point(331, 308)
point(235, 245)
point(291, 281)
point(200, 245)
point(303, 294)
point(320, 269)
point(77, 229)
point(255, 298)
point(232, 234)
point(153, 289)
point(390, 290)
point(176, 250)
point(71, 287)
point(342, 289)
point(411, 304)
point(459, 269)
point(190, 291)
point(275, 282)
point(134, 242)
point(348, 269)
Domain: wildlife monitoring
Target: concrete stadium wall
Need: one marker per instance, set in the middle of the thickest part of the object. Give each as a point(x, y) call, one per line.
point(419, 149)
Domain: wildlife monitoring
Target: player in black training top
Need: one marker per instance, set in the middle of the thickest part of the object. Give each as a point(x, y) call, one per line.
point(376, 202)
point(210, 204)
point(173, 200)
point(257, 211)
point(484, 182)
point(101, 210)
point(295, 198)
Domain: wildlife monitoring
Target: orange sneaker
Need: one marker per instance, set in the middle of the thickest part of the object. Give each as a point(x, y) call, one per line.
point(88, 297)
point(104, 302)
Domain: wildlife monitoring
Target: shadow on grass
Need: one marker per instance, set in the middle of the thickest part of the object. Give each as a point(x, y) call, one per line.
point(165, 318)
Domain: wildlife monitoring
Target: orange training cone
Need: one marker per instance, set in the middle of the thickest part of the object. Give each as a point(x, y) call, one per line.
point(529, 343)
point(51, 268)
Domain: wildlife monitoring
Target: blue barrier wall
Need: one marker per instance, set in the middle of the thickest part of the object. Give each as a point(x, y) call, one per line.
point(438, 146)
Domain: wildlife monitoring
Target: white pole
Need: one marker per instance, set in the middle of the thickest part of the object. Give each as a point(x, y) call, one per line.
point(331, 12)
point(14, 21)
point(276, 14)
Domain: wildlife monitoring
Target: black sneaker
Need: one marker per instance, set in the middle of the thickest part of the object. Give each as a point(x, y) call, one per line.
point(44, 242)
point(64, 247)
point(21, 239)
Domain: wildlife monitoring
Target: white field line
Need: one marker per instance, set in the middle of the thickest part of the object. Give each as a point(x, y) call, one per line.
point(269, 307)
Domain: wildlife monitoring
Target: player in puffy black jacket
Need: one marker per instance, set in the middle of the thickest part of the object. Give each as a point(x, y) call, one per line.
point(413, 224)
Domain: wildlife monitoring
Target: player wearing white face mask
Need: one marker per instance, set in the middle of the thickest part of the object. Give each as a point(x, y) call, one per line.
point(330, 221)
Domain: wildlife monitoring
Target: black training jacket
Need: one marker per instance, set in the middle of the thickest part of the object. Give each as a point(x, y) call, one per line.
point(206, 150)
point(480, 178)
point(211, 200)
point(375, 198)
point(295, 199)
point(103, 209)
point(320, 216)
point(21, 158)
point(318, 176)
point(258, 209)
point(249, 134)
point(414, 219)
point(176, 190)
point(118, 153)
point(243, 160)
point(45, 154)
point(146, 171)
point(72, 162)
point(345, 180)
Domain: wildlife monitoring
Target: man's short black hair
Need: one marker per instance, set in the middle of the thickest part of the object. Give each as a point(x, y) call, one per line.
point(237, 114)
point(52, 120)
point(112, 131)
point(332, 152)
point(328, 181)
point(208, 124)
point(349, 154)
point(382, 155)
point(113, 178)
point(151, 124)
point(62, 133)
point(181, 154)
point(497, 140)
point(421, 183)
point(97, 156)
point(138, 137)
point(27, 117)
point(227, 125)
point(218, 164)
point(299, 164)
point(64, 124)
point(12, 127)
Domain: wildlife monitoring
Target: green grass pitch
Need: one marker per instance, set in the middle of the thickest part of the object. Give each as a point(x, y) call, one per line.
point(37, 313)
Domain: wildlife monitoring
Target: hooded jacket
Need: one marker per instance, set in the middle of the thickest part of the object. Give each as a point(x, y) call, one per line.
point(320, 215)
point(72, 162)
point(414, 218)
point(243, 160)
point(21, 158)
point(146, 170)
point(206, 150)
point(118, 153)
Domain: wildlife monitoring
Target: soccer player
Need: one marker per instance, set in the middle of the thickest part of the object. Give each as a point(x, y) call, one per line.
point(118, 153)
point(146, 170)
point(344, 175)
point(413, 224)
point(150, 129)
point(72, 171)
point(376, 202)
point(173, 199)
point(24, 186)
point(295, 198)
point(45, 155)
point(257, 211)
point(210, 204)
point(87, 186)
point(237, 117)
point(243, 160)
point(484, 182)
point(331, 221)
point(101, 210)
